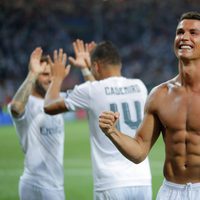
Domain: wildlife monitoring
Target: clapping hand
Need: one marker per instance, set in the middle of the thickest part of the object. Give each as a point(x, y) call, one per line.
point(58, 65)
point(82, 54)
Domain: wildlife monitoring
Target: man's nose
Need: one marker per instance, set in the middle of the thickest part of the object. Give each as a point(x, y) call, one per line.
point(185, 36)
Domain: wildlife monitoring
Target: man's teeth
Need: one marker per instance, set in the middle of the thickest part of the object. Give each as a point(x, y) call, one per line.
point(185, 47)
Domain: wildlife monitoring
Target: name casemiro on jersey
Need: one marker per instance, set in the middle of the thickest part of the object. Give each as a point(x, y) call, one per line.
point(122, 90)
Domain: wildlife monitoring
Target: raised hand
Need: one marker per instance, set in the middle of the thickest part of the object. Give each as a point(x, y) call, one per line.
point(82, 54)
point(91, 46)
point(107, 122)
point(20, 99)
point(34, 63)
point(58, 65)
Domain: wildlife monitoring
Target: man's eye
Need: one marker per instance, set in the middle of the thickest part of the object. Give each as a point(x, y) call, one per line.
point(179, 32)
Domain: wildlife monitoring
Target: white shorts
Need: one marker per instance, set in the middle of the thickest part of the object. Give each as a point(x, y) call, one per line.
point(173, 191)
point(125, 193)
point(32, 192)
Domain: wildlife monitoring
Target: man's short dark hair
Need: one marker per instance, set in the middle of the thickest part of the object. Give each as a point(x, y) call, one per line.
point(190, 15)
point(106, 53)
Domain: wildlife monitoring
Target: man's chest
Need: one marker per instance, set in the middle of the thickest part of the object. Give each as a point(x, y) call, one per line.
point(181, 113)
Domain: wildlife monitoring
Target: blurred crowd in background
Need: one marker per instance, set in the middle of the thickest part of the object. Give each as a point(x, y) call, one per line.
point(143, 31)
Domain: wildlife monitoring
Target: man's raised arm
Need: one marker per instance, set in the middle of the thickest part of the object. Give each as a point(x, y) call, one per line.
point(53, 103)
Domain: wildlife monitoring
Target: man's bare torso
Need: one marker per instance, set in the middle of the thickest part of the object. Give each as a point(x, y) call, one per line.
point(178, 109)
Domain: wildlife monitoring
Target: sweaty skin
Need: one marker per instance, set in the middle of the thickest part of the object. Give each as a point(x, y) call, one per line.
point(178, 109)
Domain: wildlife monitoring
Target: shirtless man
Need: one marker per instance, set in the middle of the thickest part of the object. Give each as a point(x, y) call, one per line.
point(172, 109)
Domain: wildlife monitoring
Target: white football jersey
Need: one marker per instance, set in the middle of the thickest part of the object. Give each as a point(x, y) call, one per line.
point(127, 96)
point(42, 140)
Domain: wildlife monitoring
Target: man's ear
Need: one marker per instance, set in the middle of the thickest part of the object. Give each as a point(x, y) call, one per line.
point(97, 66)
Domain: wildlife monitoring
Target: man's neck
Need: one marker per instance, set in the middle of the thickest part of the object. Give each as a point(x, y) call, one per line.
point(36, 94)
point(190, 75)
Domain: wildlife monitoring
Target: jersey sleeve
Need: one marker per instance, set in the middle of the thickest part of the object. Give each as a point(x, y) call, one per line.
point(21, 124)
point(18, 119)
point(79, 97)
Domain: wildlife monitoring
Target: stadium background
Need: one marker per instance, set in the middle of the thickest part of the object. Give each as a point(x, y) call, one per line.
point(143, 30)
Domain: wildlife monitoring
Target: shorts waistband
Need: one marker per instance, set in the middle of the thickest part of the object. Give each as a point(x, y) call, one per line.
point(181, 186)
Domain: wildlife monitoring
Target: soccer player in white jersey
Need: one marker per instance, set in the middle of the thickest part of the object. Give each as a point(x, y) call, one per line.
point(41, 136)
point(115, 177)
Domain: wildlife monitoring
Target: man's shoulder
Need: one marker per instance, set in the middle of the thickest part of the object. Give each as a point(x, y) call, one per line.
point(165, 86)
point(122, 79)
point(160, 91)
